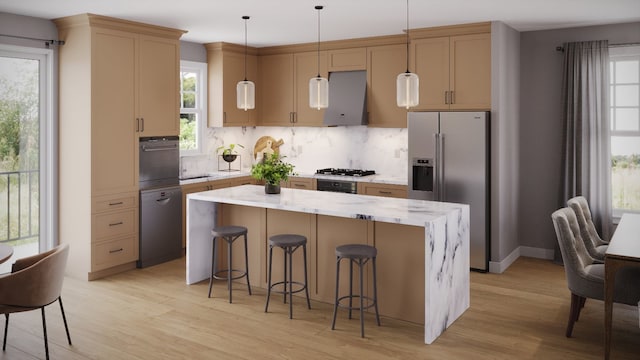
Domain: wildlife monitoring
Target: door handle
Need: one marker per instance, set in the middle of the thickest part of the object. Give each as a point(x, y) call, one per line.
point(115, 251)
point(163, 201)
point(441, 159)
point(116, 224)
point(116, 203)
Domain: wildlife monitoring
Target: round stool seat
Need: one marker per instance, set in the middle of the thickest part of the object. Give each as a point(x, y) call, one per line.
point(287, 240)
point(230, 230)
point(356, 251)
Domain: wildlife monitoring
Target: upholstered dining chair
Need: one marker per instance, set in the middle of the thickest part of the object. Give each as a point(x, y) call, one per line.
point(595, 246)
point(585, 276)
point(34, 282)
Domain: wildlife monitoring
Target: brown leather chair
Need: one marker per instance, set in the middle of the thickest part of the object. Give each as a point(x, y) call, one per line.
point(34, 282)
point(585, 276)
point(595, 246)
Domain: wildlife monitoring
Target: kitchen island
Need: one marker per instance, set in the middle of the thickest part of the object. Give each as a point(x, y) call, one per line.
point(423, 246)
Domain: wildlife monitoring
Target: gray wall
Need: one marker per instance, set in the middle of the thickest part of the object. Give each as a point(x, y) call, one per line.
point(541, 124)
point(26, 26)
point(505, 88)
point(193, 52)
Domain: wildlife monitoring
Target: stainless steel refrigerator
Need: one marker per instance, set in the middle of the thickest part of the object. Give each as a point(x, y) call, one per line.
point(449, 161)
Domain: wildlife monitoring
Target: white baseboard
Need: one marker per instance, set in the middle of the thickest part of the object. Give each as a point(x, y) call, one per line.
point(498, 267)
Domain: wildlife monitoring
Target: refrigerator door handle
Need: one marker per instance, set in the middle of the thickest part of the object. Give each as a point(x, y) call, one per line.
point(441, 185)
point(436, 178)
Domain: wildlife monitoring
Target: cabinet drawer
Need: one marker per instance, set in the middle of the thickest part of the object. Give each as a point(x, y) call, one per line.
point(301, 183)
point(384, 190)
point(111, 224)
point(108, 203)
point(112, 253)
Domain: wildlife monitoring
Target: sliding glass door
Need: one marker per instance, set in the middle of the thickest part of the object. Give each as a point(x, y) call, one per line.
point(26, 188)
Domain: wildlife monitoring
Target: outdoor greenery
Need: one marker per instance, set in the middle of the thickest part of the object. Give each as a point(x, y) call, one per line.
point(625, 182)
point(19, 150)
point(187, 131)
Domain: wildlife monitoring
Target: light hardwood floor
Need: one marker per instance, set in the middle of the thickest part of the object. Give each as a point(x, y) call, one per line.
point(152, 314)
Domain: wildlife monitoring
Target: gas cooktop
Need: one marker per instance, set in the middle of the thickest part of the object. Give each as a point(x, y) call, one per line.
point(345, 172)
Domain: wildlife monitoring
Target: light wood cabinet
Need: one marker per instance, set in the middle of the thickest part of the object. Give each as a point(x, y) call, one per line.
point(206, 186)
point(302, 183)
point(276, 90)
point(454, 72)
point(347, 59)
point(159, 90)
point(384, 65)
point(385, 190)
point(284, 88)
point(118, 82)
point(226, 67)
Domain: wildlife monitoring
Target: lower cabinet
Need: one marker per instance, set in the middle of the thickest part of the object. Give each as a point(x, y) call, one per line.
point(206, 186)
point(114, 240)
point(386, 190)
point(400, 261)
point(301, 183)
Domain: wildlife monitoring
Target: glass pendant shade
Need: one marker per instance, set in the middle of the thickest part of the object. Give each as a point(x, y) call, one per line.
point(246, 95)
point(407, 90)
point(319, 93)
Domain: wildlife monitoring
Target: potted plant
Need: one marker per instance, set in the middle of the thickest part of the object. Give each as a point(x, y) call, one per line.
point(272, 170)
point(229, 154)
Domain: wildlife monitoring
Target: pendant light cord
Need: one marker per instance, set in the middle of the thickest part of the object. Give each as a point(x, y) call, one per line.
point(408, 37)
point(319, 7)
point(245, 46)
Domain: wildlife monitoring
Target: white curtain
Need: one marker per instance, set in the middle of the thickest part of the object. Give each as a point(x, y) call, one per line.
point(587, 151)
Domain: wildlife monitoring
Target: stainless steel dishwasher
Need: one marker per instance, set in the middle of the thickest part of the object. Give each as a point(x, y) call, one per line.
point(160, 225)
point(160, 201)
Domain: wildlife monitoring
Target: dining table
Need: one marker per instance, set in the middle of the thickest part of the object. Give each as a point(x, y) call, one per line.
point(6, 251)
point(623, 251)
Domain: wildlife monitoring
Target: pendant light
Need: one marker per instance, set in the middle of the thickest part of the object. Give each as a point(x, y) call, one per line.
point(407, 83)
point(246, 90)
point(319, 86)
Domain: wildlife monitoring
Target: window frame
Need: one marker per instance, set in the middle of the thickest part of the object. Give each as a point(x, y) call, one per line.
point(617, 53)
point(200, 110)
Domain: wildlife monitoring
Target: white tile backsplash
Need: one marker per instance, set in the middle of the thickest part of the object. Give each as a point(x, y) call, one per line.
point(311, 148)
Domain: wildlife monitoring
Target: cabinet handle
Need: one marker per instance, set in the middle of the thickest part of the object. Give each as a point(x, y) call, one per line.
point(384, 192)
point(116, 224)
point(115, 251)
point(137, 124)
point(453, 98)
point(116, 203)
point(142, 122)
point(446, 97)
point(295, 117)
point(290, 117)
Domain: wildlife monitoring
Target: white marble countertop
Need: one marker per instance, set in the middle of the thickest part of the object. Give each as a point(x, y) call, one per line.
point(377, 178)
point(375, 208)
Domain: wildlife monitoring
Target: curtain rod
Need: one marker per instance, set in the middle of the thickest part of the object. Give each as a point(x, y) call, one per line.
point(47, 42)
point(561, 48)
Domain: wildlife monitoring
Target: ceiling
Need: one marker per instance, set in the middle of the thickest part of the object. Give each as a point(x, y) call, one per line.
point(295, 21)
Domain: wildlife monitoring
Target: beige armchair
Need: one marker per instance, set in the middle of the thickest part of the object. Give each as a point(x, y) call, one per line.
point(585, 276)
point(34, 283)
point(595, 246)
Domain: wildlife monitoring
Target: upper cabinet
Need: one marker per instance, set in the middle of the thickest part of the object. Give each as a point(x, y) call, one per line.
point(454, 71)
point(158, 93)
point(384, 65)
point(347, 59)
point(275, 89)
point(284, 88)
point(226, 67)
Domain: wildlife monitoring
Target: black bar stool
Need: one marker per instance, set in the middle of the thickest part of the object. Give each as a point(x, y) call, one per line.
point(289, 243)
point(360, 255)
point(229, 234)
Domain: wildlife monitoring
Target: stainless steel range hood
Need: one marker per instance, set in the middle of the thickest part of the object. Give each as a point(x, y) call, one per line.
point(347, 98)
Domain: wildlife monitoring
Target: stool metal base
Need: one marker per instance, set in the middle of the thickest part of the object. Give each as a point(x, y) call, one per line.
point(360, 260)
point(289, 244)
point(229, 234)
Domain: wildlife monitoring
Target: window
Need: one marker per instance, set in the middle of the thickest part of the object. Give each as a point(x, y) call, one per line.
point(193, 106)
point(27, 151)
point(625, 128)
